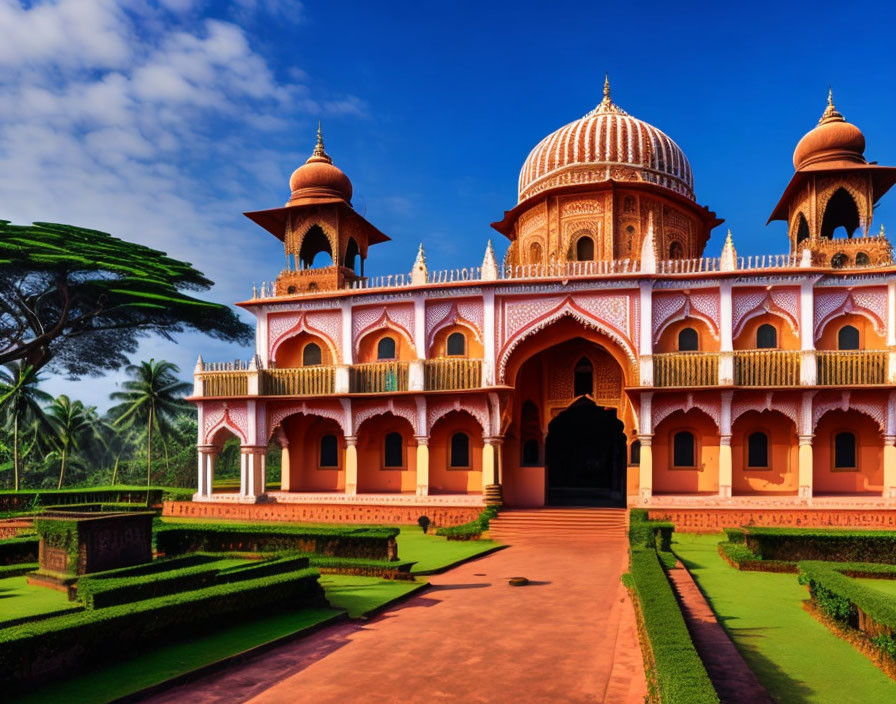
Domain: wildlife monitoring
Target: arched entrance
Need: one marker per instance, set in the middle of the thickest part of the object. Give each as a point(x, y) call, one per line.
point(585, 457)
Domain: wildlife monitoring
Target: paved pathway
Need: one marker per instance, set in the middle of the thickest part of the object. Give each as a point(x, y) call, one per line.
point(733, 679)
point(569, 636)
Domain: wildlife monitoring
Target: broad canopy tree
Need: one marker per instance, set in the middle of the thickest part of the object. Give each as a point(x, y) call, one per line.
point(80, 300)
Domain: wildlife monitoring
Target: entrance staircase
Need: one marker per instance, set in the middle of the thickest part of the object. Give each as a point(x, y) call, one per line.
point(514, 525)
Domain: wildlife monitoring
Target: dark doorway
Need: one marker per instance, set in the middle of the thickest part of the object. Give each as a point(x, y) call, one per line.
point(585, 457)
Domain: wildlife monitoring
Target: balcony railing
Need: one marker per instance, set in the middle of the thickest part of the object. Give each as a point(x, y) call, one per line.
point(852, 368)
point(452, 374)
point(302, 381)
point(766, 368)
point(378, 377)
point(686, 369)
point(229, 383)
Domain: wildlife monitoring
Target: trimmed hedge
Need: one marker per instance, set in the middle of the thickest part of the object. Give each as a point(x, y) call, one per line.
point(739, 556)
point(17, 570)
point(795, 544)
point(33, 500)
point(647, 533)
point(105, 592)
point(34, 652)
point(17, 550)
point(679, 671)
point(367, 543)
point(472, 530)
point(364, 568)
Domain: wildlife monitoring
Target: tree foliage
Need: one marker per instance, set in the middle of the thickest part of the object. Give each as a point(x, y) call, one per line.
point(81, 299)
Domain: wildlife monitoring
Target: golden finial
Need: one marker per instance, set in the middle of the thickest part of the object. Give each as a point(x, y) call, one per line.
point(606, 104)
point(319, 154)
point(830, 113)
point(607, 87)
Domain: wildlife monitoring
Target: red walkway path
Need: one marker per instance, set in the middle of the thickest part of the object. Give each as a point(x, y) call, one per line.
point(567, 637)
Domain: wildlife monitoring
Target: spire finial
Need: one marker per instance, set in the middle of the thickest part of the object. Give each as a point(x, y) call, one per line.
point(606, 104)
point(319, 154)
point(830, 113)
point(607, 86)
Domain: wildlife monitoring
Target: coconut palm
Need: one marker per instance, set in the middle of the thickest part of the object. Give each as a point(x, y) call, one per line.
point(152, 397)
point(20, 401)
point(71, 423)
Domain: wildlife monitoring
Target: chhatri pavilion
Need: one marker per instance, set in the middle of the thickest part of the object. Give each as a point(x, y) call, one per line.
point(606, 361)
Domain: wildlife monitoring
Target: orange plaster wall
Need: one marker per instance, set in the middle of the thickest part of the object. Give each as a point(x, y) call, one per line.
point(787, 339)
point(668, 341)
point(782, 476)
point(869, 455)
point(367, 346)
point(868, 336)
point(300, 469)
point(705, 478)
point(372, 477)
point(289, 353)
point(523, 487)
point(442, 478)
point(439, 343)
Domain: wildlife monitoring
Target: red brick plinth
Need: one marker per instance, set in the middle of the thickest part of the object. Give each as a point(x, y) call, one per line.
point(322, 513)
point(704, 520)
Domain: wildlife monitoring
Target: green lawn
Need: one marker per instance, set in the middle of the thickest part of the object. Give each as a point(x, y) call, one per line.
point(797, 659)
point(359, 595)
point(433, 552)
point(18, 599)
point(163, 663)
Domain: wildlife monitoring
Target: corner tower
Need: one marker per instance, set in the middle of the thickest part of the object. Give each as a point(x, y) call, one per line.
point(318, 219)
point(835, 187)
point(588, 191)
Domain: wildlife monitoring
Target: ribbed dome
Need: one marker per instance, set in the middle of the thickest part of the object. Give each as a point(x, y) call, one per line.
point(606, 144)
point(833, 139)
point(317, 177)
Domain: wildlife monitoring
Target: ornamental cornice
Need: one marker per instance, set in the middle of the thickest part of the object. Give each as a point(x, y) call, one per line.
point(680, 284)
point(560, 287)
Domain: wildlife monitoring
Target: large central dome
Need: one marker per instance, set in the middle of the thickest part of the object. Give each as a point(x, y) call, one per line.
point(607, 144)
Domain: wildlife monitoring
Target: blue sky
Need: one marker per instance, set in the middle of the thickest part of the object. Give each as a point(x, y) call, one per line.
point(162, 121)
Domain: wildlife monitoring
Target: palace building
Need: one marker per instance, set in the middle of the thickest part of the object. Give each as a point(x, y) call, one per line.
point(605, 361)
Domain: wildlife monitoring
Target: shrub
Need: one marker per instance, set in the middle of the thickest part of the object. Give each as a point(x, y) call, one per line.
point(735, 535)
point(17, 570)
point(472, 530)
point(56, 646)
point(364, 568)
point(424, 523)
point(795, 544)
point(12, 501)
point(368, 543)
point(739, 556)
point(17, 550)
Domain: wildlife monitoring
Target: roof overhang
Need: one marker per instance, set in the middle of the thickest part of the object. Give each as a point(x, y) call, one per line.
point(275, 220)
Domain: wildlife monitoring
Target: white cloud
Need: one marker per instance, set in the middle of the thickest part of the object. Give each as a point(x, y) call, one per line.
point(156, 127)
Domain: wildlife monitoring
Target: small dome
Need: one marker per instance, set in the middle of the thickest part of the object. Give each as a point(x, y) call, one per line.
point(606, 144)
point(318, 178)
point(833, 139)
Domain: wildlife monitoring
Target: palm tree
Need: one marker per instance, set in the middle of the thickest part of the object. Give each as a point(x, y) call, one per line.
point(152, 397)
point(20, 400)
point(72, 426)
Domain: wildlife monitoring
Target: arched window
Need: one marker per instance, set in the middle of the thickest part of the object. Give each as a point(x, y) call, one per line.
point(456, 345)
point(329, 451)
point(841, 211)
point(844, 451)
point(311, 355)
point(351, 254)
point(315, 242)
point(848, 338)
point(683, 449)
point(839, 260)
point(535, 253)
point(766, 337)
point(460, 450)
point(635, 452)
point(676, 251)
point(757, 450)
point(393, 450)
point(385, 348)
point(862, 259)
point(802, 229)
point(583, 377)
point(585, 249)
point(530, 453)
point(688, 340)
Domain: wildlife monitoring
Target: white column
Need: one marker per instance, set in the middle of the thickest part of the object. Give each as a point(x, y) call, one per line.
point(645, 365)
point(347, 341)
point(806, 434)
point(725, 461)
point(808, 373)
point(726, 323)
point(420, 326)
point(351, 465)
point(890, 449)
point(891, 331)
point(645, 435)
point(416, 378)
point(206, 470)
point(252, 473)
point(261, 335)
point(489, 363)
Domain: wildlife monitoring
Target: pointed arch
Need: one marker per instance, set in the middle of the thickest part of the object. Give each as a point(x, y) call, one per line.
point(383, 322)
point(452, 317)
point(685, 311)
point(849, 306)
point(302, 325)
point(769, 306)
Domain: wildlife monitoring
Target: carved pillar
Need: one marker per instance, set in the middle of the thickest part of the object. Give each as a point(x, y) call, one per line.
point(351, 465)
point(422, 464)
point(252, 473)
point(416, 378)
point(890, 466)
point(805, 466)
point(207, 454)
point(420, 326)
point(808, 373)
point(891, 331)
point(645, 365)
point(489, 363)
point(491, 469)
point(726, 323)
point(725, 470)
point(645, 428)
